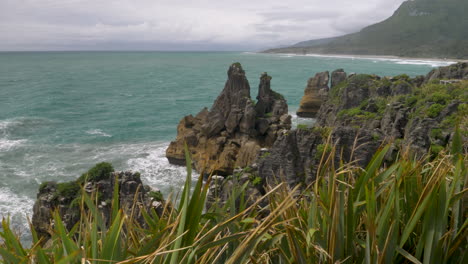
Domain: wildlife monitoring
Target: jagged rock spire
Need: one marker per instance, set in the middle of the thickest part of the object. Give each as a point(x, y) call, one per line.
point(234, 129)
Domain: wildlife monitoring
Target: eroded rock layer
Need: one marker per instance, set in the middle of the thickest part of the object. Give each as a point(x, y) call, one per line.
point(361, 112)
point(315, 92)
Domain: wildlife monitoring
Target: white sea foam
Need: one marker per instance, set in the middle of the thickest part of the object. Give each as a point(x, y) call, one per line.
point(6, 125)
point(8, 144)
point(374, 59)
point(156, 170)
point(149, 158)
point(426, 62)
point(18, 208)
point(98, 132)
point(66, 162)
point(287, 55)
point(295, 120)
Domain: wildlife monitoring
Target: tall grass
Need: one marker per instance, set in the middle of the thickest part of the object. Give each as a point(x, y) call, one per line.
point(411, 211)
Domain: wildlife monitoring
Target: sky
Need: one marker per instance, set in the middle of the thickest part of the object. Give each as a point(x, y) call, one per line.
point(180, 24)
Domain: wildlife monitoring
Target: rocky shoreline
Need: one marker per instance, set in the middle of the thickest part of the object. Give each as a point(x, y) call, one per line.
point(243, 141)
point(357, 115)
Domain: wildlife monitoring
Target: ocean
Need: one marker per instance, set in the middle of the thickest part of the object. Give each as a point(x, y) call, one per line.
point(63, 112)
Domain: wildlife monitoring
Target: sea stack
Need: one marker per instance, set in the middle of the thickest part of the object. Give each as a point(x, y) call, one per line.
point(315, 92)
point(232, 132)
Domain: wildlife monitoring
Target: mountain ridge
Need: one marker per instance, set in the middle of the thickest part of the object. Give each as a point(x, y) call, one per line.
point(418, 28)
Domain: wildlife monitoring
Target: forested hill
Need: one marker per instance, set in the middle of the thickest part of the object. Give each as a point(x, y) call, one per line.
point(418, 28)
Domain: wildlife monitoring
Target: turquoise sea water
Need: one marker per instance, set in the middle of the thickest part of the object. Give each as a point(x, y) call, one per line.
point(62, 112)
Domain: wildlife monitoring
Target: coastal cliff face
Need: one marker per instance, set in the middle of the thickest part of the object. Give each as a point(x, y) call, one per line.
point(362, 112)
point(100, 181)
point(232, 132)
point(317, 90)
point(314, 93)
point(358, 115)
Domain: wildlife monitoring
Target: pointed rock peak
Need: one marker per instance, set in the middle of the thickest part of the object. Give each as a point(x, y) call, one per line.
point(236, 69)
point(265, 77)
point(264, 89)
point(269, 102)
point(235, 93)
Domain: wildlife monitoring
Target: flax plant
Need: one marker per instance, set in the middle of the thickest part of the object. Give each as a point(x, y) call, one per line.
point(410, 211)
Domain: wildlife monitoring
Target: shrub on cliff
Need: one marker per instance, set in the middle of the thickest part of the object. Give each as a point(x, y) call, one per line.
point(101, 171)
point(67, 190)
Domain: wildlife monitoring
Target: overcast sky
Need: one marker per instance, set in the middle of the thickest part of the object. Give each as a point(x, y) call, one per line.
point(180, 24)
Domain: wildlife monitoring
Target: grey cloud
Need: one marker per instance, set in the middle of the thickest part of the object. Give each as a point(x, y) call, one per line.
point(180, 24)
point(299, 16)
point(277, 27)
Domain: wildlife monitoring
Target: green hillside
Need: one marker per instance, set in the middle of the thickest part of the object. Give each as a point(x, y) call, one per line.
point(419, 28)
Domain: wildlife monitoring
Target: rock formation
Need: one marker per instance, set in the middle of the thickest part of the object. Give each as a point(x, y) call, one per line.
point(231, 133)
point(362, 112)
point(357, 115)
point(66, 198)
point(457, 71)
point(315, 92)
point(337, 77)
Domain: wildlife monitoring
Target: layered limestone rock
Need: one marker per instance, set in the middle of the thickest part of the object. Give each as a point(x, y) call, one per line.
point(359, 115)
point(66, 198)
point(231, 133)
point(361, 112)
point(315, 92)
point(457, 71)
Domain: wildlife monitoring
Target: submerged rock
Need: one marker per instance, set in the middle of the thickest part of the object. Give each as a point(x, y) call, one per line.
point(234, 129)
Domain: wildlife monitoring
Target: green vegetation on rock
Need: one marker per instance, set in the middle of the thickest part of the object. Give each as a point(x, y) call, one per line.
point(434, 110)
point(101, 171)
point(322, 149)
point(156, 195)
point(68, 189)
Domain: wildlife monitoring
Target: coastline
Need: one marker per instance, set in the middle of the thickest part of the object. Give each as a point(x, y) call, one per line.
point(368, 57)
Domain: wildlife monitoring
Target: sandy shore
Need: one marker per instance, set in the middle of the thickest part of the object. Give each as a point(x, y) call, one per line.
point(373, 57)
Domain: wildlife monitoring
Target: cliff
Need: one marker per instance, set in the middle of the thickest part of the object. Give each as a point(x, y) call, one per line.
point(418, 28)
point(357, 115)
point(231, 133)
point(362, 112)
